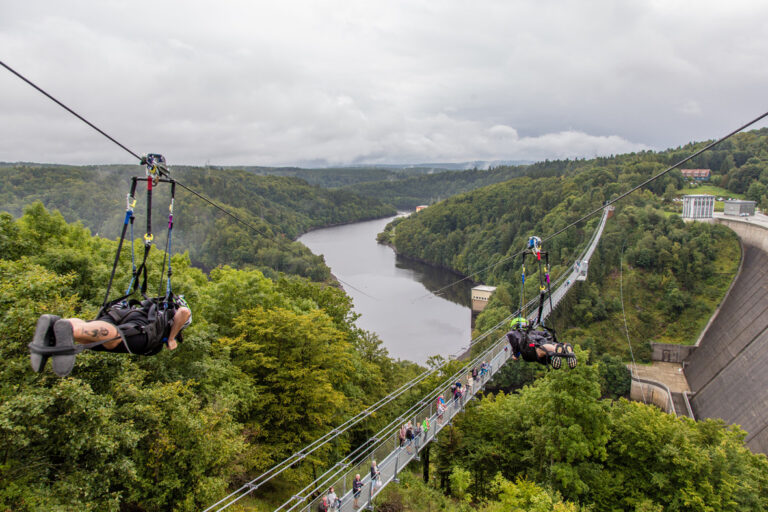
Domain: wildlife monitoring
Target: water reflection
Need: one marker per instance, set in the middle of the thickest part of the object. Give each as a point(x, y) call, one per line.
point(392, 295)
point(435, 279)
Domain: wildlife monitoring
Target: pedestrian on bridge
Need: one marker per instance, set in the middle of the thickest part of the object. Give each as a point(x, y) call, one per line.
point(375, 476)
point(440, 408)
point(409, 435)
point(357, 488)
point(333, 500)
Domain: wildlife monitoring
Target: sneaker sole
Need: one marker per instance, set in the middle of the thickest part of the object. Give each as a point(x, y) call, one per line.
point(44, 337)
point(63, 364)
point(571, 356)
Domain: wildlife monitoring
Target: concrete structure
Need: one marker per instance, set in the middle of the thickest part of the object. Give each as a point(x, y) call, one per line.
point(739, 208)
point(669, 353)
point(385, 448)
point(652, 392)
point(421, 207)
point(727, 371)
point(480, 296)
point(696, 174)
point(662, 384)
point(698, 206)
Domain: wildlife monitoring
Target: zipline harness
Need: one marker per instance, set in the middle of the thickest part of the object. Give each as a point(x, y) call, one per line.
point(121, 309)
point(156, 173)
point(534, 248)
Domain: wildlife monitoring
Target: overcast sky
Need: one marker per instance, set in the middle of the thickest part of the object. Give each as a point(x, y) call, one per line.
point(317, 83)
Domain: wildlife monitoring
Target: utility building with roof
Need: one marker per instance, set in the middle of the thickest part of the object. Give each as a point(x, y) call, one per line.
point(480, 296)
point(739, 208)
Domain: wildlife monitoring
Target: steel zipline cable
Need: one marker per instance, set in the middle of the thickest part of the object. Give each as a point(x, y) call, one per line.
point(612, 201)
point(333, 433)
point(345, 426)
point(254, 484)
point(62, 105)
point(130, 152)
point(624, 315)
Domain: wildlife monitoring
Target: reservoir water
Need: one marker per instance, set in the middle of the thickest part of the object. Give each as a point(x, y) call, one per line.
point(393, 295)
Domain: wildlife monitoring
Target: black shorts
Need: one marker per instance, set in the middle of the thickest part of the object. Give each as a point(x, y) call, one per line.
point(529, 354)
point(137, 344)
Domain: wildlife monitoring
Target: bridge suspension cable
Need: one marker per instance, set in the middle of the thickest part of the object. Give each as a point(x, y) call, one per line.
point(415, 381)
point(279, 468)
point(301, 454)
point(332, 434)
point(339, 473)
point(606, 204)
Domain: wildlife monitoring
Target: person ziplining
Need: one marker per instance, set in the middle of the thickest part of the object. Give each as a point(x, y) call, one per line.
point(123, 325)
point(538, 345)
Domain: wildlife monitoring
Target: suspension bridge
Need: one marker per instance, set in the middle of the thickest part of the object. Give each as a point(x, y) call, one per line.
point(385, 448)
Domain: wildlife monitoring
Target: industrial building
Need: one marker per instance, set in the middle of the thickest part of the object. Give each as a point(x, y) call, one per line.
point(698, 206)
point(739, 208)
point(480, 296)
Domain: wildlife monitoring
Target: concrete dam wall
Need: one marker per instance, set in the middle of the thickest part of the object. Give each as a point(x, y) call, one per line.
point(728, 371)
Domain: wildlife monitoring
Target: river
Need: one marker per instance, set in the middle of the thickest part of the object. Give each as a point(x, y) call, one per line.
point(393, 295)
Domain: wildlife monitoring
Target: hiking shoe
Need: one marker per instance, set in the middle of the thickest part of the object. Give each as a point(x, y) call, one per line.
point(557, 360)
point(44, 337)
point(570, 355)
point(63, 363)
point(554, 357)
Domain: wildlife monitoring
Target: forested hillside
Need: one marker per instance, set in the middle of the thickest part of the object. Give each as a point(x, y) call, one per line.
point(556, 446)
point(279, 208)
point(266, 367)
point(675, 273)
point(336, 177)
point(409, 192)
point(271, 362)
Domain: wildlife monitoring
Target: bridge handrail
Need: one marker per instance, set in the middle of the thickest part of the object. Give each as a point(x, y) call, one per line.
point(393, 457)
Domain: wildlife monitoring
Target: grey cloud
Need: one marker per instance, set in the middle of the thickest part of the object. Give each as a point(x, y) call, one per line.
point(356, 82)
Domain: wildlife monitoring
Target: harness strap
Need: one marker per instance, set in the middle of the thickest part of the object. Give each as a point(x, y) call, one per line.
point(128, 217)
point(168, 289)
point(542, 290)
point(155, 173)
point(68, 351)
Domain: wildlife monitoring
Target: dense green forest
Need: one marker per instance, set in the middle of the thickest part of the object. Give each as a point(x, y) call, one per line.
point(278, 208)
point(336, 177)
point(273, 360)
point(688, 265)
point(266, 367)
point(556, 446)
point(249, 386)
